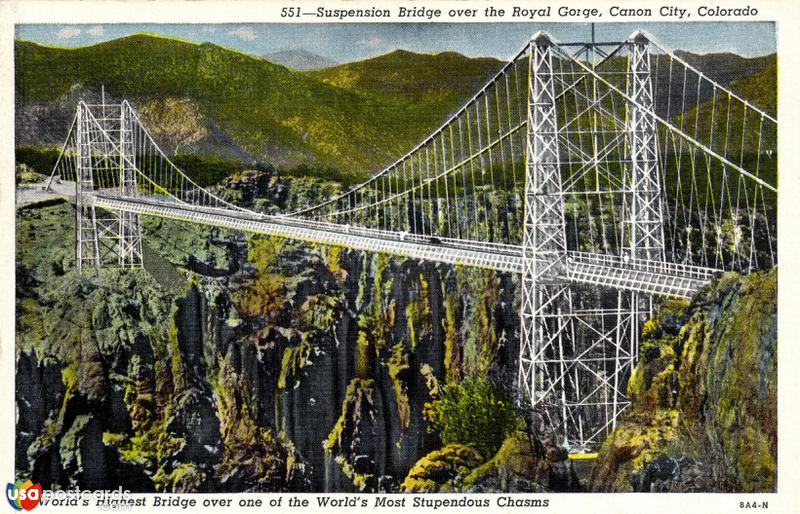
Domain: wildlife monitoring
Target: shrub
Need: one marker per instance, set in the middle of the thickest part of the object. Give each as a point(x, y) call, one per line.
point(476, 412)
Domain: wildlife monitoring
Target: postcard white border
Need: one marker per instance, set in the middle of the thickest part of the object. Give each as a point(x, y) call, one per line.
point(785, 12)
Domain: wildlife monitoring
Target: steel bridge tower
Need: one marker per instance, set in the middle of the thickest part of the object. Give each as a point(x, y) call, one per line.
point(557, 366)
point(643, 208)
point(105, 145)
point(546, 300)
point(87, 248)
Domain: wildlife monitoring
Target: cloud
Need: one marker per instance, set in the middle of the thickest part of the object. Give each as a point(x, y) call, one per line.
point(245, 33)
point(373, 42)
point(97, 30)
point(68, 33)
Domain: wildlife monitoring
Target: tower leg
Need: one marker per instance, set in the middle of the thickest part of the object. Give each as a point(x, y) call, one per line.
point(645, 216)
point(87, 248)
point(546, 308)
point(130, 228)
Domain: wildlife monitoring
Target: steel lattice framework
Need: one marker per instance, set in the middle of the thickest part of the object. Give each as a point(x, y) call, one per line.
point(546, 305)
point(604, 174)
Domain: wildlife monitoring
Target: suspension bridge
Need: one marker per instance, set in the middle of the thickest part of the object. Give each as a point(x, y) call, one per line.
point(604, 174)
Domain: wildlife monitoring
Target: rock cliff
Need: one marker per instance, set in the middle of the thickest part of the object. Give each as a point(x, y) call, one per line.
point(704, 396)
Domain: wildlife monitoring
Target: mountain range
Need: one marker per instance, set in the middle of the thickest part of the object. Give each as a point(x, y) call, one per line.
point(299, 59)
point(356, 116)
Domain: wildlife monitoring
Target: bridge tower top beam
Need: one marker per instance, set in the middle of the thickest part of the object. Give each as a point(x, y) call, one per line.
point(541, 39)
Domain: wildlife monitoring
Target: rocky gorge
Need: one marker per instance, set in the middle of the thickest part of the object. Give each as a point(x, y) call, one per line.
point(235, 363)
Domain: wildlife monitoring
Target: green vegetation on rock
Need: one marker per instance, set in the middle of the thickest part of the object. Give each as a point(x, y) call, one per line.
point(24, 174)
point(421, 86)
point(704, 395)
point(399, 372)
point(294, 359)
point(378, 316)
point(266, 293)
point(418, 314)
point(265, 461)
point(441, 470)
point(452, 339)
point(349, 442)
point(522, 458)
point(175, 121)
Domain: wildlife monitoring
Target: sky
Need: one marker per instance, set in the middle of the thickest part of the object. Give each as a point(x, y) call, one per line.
point(343, 42)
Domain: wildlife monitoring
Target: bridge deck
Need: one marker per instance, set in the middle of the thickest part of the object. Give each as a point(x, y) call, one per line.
point(586, 268)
